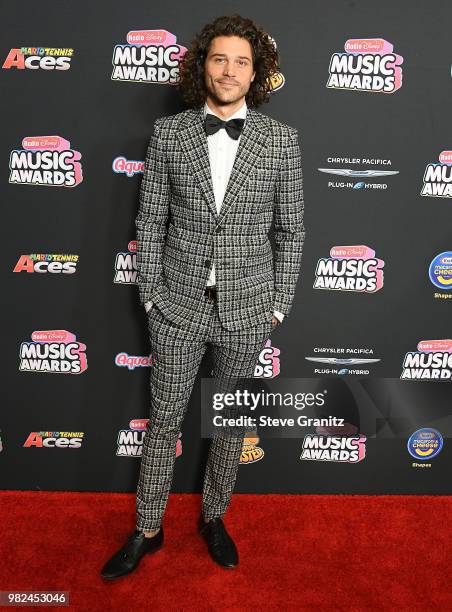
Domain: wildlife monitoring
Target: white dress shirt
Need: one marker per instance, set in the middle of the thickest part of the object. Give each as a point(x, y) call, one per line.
point(222, 152)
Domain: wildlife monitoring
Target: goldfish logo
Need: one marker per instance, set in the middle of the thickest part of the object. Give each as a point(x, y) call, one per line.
point(275, 80)
point(250, 451)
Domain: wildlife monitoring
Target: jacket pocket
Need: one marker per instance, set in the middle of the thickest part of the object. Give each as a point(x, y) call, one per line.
point(260, 260)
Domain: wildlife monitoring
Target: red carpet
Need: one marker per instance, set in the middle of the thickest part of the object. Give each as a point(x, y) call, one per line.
point(296, 552)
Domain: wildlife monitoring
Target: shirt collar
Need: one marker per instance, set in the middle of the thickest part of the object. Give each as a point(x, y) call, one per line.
point(240, 113)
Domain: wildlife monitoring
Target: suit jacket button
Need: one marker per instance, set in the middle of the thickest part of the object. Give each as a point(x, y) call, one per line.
point(207, 263)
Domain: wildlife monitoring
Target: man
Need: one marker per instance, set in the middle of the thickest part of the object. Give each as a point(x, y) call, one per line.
point(216, 177)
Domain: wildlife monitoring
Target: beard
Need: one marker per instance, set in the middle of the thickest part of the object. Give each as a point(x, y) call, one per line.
point(223, 96)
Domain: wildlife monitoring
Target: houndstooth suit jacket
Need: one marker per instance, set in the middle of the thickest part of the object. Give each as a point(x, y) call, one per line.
point(180, 233)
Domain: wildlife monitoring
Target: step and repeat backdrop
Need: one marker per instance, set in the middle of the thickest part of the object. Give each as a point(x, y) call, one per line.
point(365, 357)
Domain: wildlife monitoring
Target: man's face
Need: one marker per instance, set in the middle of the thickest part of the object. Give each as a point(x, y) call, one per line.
point(228, 69)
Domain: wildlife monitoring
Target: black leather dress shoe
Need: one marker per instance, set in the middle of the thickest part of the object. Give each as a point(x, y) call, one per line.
point(128, 557)
point(220, 544)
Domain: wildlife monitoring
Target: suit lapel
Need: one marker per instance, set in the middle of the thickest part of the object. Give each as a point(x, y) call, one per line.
point(193, 141)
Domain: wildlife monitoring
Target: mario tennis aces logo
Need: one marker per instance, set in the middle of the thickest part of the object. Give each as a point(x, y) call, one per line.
point(45, 160)
point(350, 268)
point(432, 361)
point(53, 351)
point(55, 263)
point(438, 177)
point(54, 439)
point(33, 58)
point(369, 64)
point(151, 56)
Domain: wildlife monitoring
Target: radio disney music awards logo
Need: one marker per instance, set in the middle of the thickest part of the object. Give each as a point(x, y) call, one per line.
point(341, 361)
point(38, 58)
point(425, 444)
point(440, 274)
point(47, 161)
point(368, 64)
point(43, 263)
point(130, 441)
point(358, 177)
point(129, 167)
point(268, 364)
point(54, 439)
point(431, 361)
point(251, 453)
point(350, 268)
point(438, 177)
point(340, 449)
point(53, 352)
point(126, 265)
point(150, 56)
point(131, 362)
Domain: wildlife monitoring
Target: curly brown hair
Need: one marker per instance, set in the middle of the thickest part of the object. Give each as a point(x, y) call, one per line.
point(265, 60)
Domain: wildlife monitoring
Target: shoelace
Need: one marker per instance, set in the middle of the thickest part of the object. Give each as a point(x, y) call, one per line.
point(130, 540)
point(219, 537)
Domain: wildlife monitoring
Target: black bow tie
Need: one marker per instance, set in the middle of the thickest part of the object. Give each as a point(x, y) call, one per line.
point(233, 127)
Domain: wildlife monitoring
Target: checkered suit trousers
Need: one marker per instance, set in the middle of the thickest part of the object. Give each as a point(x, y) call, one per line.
point(178, 352)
